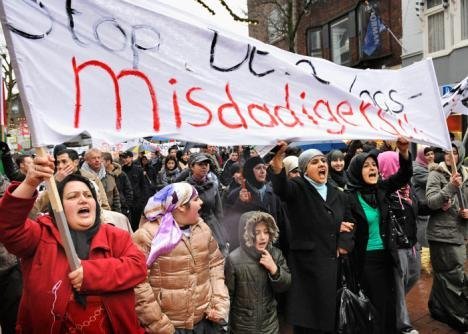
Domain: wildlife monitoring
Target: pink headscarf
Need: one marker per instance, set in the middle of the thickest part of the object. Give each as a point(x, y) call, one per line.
point(420, 157)
point(388, 163)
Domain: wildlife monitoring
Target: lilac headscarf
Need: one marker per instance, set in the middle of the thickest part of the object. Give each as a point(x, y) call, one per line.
point(161, 205)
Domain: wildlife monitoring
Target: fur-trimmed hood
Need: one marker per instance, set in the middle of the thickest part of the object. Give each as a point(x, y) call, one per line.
point(117, 169)
point(442, 168)
point(247, 223)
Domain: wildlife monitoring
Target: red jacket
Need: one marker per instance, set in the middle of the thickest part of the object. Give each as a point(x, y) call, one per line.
point(114, 267)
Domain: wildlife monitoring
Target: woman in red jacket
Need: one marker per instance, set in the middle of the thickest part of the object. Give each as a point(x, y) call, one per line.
point(97, 297)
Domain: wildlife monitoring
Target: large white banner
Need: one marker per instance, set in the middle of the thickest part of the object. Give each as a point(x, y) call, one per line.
point(121, 70)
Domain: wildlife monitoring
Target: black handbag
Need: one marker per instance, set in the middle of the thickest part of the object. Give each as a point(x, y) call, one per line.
point(355, 313)
point(397, 220)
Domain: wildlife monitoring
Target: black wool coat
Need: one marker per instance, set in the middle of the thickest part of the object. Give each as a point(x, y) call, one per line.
point(314, 239)
point(384, 189)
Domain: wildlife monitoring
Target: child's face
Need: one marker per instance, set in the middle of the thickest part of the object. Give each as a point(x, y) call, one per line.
point(170, 164)
point(262, 237)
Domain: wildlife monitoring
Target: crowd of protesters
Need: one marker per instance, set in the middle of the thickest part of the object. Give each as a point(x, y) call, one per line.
point(221, 239)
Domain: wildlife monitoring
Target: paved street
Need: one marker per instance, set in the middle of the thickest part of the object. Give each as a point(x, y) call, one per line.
point(417, 304)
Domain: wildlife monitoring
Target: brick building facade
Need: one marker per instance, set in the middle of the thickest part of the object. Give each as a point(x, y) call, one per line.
point(332, 29)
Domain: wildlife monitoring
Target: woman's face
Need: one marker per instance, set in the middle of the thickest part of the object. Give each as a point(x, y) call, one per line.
point(234, 156)
point(317, 169)
point(370, 171)
point(260, 172)
point(337, 165)
point(79, 206)
point(189, 214)
point(185, 157)
point(429, 157)
point(200, 169)
point(170, 164)
point(448, 157)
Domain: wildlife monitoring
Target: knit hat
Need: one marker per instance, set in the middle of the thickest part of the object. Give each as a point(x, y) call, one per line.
point(306, 156)
point(290, 163)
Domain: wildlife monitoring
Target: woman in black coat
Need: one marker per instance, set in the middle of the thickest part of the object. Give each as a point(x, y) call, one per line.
point(257, 195)
point(319, 226)
point(375, 253)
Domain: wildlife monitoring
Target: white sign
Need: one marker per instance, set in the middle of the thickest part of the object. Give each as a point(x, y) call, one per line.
point(455, 101)
point(120, 70)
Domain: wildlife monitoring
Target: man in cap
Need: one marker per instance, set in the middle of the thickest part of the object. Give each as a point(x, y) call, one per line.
point(140, 193)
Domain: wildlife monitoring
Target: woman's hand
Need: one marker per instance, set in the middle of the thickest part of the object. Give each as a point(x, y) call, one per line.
point(76, 278)
point(341, 251)
point(244, 195)
point(463, 213)
point(277, 161)
point(403, 147)
point(446, 205)
point(456, 180)
point(346, 227)
point(267, 261)
point(41, 170)
point(214, 316)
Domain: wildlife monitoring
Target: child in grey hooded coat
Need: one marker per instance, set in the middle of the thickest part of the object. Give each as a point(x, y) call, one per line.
point(254, 272)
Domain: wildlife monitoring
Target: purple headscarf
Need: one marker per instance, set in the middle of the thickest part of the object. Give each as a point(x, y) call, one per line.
point(161, 205)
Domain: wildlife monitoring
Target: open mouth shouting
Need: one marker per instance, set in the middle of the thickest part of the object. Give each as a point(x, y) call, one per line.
point(84, 212)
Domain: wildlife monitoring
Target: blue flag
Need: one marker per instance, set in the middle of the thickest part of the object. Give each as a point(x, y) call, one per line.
point(372, 38)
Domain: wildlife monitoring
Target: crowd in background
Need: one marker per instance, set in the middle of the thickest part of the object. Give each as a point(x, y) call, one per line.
point(234, 241)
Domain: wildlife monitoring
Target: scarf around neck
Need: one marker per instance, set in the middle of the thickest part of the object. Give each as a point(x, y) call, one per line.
point(320, 187)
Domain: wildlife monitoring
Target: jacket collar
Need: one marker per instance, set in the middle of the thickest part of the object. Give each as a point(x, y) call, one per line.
point(99, 240)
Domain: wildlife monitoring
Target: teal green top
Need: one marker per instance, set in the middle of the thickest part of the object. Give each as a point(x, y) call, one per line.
point(373, 219)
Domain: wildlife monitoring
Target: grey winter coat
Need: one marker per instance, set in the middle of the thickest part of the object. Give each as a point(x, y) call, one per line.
point(445, 226)
point(251, 287)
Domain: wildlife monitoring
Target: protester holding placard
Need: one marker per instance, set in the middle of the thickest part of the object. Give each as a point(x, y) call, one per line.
point(447, 184)
point(320, 225)
point(99, 294)
point(375, 253)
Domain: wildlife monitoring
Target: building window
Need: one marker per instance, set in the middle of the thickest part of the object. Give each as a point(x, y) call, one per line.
point(339, 39)
point(276, 25)
point(436, 32)
point(314, 43)
point(464, 19)
point(433, 3)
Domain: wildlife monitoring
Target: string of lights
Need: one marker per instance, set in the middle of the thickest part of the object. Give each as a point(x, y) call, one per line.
point(230, 11)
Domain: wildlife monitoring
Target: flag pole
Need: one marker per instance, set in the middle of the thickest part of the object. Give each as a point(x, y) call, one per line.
point(54, 198)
